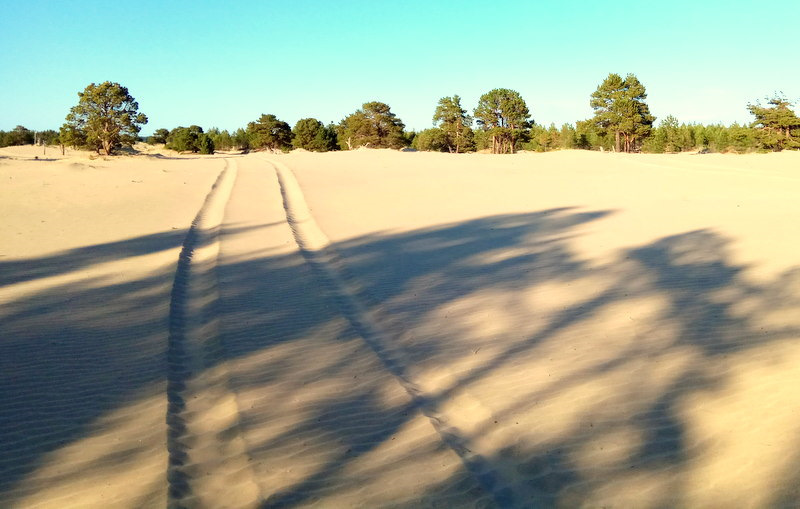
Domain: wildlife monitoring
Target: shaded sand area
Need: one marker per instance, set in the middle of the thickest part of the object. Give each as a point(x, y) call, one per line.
point(387, 329)
point(88, 250)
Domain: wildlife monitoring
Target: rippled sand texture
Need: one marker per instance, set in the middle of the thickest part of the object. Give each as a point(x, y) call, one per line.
point(602, 329)
point(89, 250)
point(386, 329)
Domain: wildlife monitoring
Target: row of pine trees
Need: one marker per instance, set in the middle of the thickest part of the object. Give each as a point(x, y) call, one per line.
point(500, 123)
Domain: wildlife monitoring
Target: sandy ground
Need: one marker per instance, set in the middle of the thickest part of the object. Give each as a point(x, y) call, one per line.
point(377, 328)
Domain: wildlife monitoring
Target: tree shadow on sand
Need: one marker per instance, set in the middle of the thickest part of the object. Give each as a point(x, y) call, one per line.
point(586, 382)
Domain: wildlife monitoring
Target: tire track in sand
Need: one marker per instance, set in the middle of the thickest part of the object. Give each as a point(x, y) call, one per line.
point(208, 460)
point(320, 254)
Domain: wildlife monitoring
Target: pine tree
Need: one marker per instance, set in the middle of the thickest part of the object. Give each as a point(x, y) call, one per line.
point(374, 125)
point(620, 109)
point(434, 139)
point(185, 139)
point(503, 114)
point(159, 137)
point(270, 132)
point(205, 144)
point(107, 116)
point(454, 123)
point(779, 126)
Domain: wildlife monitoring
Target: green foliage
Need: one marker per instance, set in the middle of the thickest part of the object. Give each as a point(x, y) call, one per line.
point(409, 137)
point(620, 109)
point(455, 124)
point(311, 134)
point(222, 139)
point(185, 139)
point(434, 139)
point(48, 137)
point(482, 139)
point(71, 136)
point(742, 138)
point(327, 139)
point(541, 139)
point(667, 137)
point(589, 137)
point(269, 132)
point(205, 144)
point(159, 137)
point(107, 116)
point(778, 125)
point(305, 132)
point(241, 140)
point(670, 136)
point(374, 125)
point(20, 135)
point(567, 137)
point(503, 114)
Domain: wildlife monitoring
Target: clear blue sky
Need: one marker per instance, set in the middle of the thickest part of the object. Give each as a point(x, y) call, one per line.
point(220, 64)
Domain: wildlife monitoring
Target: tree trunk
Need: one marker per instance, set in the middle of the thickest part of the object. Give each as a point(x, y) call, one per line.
point(617, 133)
point(62, 148)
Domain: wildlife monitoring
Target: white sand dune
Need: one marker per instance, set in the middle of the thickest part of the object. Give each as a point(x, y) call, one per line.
point(378, 328)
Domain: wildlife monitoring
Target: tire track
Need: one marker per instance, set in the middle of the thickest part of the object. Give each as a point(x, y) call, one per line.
point(349, 296)
point(208, 460)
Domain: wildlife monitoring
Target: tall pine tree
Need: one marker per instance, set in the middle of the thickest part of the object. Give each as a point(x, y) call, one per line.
point(454, 123)
point(503, 114)
point(374, 125)
point(106, 117)
point(778, 124)
point(620, 109)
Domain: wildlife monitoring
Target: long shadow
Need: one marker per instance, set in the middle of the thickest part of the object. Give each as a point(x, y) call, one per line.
point(16, 271)
point(73, 260)
point(690, 272)
point(72, 353)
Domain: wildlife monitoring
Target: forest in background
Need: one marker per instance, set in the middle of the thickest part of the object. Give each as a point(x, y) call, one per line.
point(107, 119)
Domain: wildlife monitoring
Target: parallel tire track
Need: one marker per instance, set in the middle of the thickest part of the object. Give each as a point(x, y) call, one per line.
point(205, 449)
point(317, 250)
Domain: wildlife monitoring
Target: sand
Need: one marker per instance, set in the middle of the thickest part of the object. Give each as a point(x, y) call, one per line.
point(379, 328)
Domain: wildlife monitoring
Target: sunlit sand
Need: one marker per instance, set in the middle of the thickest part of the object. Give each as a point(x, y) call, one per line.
point(381, 328)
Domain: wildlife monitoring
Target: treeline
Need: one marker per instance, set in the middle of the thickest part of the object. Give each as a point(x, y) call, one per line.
point(670, 136)
point(372, 126)
point(502, 123)
point(622, 122)
point(107, 118)
point(21, 135)
point(268, 132)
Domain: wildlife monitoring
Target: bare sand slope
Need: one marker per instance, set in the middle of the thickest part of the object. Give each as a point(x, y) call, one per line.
point(602, 329)
point(388, 329)
point(88, 251)
point(323, 419)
